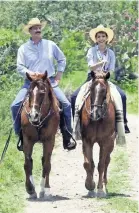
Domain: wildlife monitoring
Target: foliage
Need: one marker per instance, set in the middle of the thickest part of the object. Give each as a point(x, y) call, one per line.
point(68, 25)
point(74, 45)
point(126, 36)
point(9, 43)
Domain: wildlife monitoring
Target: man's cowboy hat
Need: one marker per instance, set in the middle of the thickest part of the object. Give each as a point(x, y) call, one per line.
point(101, 28)
point(33, 22)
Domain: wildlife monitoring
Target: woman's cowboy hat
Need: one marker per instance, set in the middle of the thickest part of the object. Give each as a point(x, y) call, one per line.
point(33, 22)
point(101, 28)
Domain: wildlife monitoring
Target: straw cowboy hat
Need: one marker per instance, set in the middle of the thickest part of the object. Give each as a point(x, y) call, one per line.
point(101, 28)
point(33, 22)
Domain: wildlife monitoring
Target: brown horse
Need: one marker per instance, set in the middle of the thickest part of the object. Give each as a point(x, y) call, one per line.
point(98, 125)
point(39, 120)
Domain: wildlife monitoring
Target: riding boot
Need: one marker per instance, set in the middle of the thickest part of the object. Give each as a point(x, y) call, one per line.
point(66, 135)
point(126, 128)
point(20, 141)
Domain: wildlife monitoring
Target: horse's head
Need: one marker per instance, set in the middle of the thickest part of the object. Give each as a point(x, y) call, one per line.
point(98, 93)
point(38, 96)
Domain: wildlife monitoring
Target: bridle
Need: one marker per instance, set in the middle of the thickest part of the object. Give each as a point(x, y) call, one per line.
point(41, 121)
point(102, 106)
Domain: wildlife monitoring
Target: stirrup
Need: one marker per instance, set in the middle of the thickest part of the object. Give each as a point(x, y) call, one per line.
point(20, 142)
point(70, 146)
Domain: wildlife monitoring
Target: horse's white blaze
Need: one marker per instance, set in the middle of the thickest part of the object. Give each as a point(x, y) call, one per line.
point(96, 99)
point(33, 110)
point(32, 180)
point(42, 184)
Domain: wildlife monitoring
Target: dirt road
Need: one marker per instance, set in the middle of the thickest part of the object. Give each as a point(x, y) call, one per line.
point(67, 179)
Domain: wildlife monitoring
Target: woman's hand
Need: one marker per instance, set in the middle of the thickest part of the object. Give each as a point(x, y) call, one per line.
point(104, 61)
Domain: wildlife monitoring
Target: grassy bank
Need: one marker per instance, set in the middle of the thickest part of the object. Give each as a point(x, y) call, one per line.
point(119, 185)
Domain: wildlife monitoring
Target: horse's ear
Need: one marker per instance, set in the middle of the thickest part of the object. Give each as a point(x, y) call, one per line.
point(93, 74)
point(107, 75)
point(45, 75)
point(28, 76)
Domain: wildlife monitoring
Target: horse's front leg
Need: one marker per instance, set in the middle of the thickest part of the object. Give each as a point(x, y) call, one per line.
point(46, 164)
point(101, 187)
point(28, 166)
point(107, 161)
point(88, 165)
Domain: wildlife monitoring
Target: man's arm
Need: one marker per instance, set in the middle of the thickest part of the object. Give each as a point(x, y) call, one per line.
point(61, 62)
point(21, 67)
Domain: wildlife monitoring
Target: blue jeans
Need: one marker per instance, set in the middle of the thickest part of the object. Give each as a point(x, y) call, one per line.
point(20, 97)
point(123, 96)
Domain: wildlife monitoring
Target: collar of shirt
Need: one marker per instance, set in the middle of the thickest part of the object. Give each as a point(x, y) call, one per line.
point(32, 42)
point(104, 52)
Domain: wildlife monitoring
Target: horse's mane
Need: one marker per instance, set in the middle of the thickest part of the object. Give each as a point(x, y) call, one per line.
point(52, 96)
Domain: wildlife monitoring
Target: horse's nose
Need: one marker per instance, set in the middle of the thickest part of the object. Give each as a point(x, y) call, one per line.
point(34, 115)
point(95, 115)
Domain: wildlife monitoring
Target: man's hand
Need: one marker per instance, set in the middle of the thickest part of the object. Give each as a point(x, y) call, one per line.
point(58, 77)
point(34, 75)
point(31, 73)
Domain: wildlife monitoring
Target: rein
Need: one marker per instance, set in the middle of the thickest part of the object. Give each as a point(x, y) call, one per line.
point(103, 107)
point(6, 146)
point(40, 124)
point(97, 105)
point(10, 133)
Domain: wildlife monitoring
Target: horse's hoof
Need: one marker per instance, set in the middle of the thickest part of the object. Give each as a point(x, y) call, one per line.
point(41, 194)
point(89, 184)
point(33, 196)
point(47, 194)
point(91, 194)
point(101, 193)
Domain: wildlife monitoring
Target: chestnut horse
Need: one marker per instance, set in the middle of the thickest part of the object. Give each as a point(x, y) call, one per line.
point(98, 125)
point(39, 121)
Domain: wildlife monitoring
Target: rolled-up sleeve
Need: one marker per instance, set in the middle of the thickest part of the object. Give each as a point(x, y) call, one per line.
point(89, 57)
point(60, 58)
point(21, 67)
point(112, 61)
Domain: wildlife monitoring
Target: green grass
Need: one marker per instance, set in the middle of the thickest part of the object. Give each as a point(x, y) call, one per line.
point(119, 185)
point(132, 103)
point(73, 80)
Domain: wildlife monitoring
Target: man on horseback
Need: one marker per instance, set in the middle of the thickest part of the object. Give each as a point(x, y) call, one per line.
point(34, 57)
point(101, 57)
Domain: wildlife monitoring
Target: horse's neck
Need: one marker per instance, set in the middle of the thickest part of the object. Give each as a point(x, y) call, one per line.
point(108, 96)
point(53, 103)
point(47, 103)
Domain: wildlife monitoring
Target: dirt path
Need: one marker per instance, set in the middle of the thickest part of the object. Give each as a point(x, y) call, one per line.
point(68, 176)
point(133, 153)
